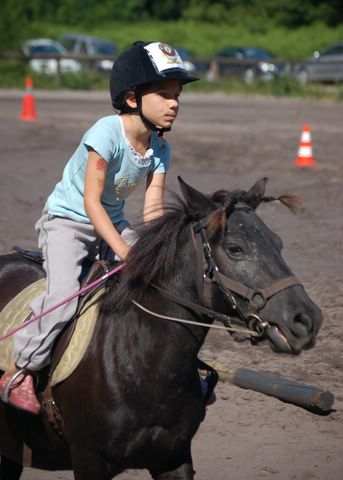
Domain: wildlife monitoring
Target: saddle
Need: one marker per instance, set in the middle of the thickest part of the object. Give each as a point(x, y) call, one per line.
point(72, 342)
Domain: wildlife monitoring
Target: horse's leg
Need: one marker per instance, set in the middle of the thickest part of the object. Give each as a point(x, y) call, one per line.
point(89, 466)
point(9, 470)
point(184, 472)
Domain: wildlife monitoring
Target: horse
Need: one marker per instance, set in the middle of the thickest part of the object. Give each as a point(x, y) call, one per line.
point(135, 400)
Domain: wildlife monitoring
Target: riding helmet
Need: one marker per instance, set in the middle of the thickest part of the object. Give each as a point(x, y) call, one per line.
point(144, 63)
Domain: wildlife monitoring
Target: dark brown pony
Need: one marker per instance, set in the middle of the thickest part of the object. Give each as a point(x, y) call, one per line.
point(135, 400)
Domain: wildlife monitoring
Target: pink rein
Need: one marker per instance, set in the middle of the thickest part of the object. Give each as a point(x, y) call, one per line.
point(69, 299)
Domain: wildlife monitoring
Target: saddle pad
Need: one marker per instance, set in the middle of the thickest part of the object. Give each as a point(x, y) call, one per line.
point(17, 311)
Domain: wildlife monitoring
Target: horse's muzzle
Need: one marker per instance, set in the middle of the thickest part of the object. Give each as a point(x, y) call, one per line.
point(298, 334)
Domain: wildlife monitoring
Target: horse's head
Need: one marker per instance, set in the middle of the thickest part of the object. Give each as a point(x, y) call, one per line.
point(249, 279)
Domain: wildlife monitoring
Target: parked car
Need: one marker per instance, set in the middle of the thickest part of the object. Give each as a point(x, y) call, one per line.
point(91, 47)
point(248, 63)
point(323, 66)
point(46, 47)
point(186, 56)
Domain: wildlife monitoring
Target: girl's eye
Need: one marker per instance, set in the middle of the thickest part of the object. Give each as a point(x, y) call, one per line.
point(169, 95)
point(233, 249)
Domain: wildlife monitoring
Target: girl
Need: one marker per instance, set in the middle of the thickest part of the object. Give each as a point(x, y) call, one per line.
point(114, 155)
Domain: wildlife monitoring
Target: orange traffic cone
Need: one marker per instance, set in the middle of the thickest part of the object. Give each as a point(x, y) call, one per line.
point(28, 111)
point(305, 158)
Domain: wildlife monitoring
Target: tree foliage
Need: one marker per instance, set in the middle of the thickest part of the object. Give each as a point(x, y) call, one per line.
point(16, 16)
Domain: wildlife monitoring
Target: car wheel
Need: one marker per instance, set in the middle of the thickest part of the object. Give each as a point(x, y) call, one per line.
point(249, 76)
point(303, 77)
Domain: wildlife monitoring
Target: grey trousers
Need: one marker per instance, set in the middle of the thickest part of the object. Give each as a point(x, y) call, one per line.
point(65, 244)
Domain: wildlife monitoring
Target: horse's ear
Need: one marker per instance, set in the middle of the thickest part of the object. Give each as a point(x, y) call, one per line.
point(195, 200)
point(256, 193)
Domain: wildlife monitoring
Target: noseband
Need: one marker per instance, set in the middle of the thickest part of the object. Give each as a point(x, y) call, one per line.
point(208, 275)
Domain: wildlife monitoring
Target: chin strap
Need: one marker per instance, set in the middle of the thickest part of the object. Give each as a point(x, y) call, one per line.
point(147, 122)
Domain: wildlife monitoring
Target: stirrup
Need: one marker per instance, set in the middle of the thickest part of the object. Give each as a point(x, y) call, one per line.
point(7, 391)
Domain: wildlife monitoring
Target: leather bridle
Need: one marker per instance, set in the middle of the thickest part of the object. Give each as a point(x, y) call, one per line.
point(208, 275)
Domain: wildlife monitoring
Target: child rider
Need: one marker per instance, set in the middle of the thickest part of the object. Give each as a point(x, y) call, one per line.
point(114, 156)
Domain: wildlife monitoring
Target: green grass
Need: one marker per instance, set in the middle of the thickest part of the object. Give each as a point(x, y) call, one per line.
point(202, 39)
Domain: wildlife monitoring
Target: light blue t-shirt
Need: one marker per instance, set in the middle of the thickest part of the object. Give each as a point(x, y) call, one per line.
point(124, 172)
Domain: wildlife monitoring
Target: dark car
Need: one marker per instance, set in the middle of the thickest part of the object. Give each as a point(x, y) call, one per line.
point(91, 47)
point(323, 66)
point(248, 63)
point(191, 62)
point(186, 56)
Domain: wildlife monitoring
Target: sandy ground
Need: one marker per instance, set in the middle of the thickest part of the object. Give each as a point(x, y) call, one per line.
point(222, 141)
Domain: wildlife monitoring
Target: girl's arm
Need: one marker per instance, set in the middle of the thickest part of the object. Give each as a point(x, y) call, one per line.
point(153, 202)
point(94, 186)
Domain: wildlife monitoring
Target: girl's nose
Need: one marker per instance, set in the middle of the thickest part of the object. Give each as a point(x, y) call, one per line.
point(174, 103)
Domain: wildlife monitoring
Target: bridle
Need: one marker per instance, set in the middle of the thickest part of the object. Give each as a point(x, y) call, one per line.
point(208, 276)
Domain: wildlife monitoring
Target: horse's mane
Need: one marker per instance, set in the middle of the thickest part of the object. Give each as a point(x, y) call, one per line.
point(153, 257)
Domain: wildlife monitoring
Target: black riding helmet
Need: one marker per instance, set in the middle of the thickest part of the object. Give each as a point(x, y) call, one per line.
point(141, 64)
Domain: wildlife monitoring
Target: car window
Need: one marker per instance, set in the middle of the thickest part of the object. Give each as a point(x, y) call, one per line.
point(83, 48)
point(337, 50)
point(256, 53)
point(103, 48)
point(68, 43)
point(184, 53)
point(37, 49)
point(228, 52)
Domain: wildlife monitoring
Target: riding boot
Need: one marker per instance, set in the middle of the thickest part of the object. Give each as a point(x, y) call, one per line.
point(18, 391)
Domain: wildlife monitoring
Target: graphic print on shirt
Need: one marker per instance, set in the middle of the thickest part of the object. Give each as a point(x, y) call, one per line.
point(123, 187)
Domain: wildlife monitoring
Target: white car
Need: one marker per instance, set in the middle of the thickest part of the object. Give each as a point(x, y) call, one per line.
point(43, 47)
point(91, 47)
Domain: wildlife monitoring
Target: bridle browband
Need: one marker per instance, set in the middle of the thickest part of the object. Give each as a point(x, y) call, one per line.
point(208, 275)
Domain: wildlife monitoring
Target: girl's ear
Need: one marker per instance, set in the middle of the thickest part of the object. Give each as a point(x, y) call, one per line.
point(130, 99)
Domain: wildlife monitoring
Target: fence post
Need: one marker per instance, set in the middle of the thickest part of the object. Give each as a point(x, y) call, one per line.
point(58, 72)
point(212, 74)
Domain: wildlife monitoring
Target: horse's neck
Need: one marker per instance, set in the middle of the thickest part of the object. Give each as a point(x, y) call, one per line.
point(143, 336)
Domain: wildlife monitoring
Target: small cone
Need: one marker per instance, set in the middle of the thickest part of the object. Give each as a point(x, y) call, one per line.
point(305, 158)
point(28, 111)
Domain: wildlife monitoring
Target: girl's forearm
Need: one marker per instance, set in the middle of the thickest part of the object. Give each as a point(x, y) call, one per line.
point(106, 230)
point(153, 202)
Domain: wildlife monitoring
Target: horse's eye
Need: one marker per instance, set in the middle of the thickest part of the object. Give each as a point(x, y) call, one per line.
point(233, 249)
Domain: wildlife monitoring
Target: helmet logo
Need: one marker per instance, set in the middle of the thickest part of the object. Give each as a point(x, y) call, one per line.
point(170, 52)
point(164, 57)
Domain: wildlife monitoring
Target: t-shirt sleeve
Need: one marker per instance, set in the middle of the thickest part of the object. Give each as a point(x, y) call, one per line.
point(100, 137)
point(161, 160)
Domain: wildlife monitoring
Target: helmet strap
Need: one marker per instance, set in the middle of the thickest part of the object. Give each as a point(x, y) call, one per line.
point(147, 122)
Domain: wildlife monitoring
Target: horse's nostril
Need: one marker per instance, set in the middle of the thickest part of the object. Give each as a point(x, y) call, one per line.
point(302, 325)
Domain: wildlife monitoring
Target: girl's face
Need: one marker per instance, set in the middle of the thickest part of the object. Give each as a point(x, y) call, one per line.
point(160, 102)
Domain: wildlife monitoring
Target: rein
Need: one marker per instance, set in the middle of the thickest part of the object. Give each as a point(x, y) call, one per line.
point(191, 322)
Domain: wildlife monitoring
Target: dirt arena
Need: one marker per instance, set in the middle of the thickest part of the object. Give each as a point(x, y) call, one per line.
point(222, 142)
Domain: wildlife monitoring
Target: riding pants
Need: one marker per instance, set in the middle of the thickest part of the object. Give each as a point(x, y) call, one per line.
point(65, 245)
